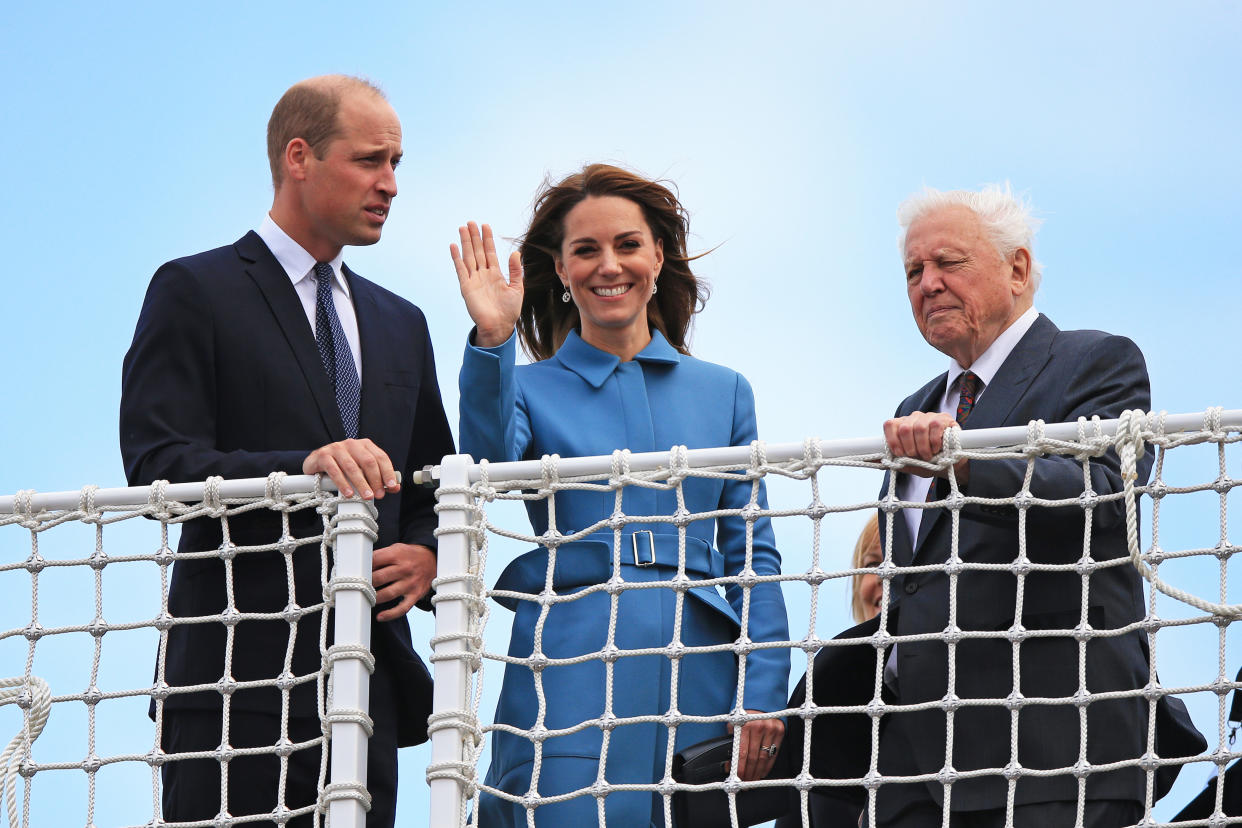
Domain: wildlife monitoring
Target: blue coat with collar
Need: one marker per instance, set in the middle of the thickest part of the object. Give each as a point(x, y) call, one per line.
point(584, 401)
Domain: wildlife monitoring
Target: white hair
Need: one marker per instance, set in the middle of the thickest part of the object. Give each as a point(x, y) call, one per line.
point(1007, 218)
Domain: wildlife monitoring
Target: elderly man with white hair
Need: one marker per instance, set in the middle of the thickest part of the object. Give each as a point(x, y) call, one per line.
point(971, 278)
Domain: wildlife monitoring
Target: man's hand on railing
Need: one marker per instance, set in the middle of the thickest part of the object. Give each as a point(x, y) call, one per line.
point(354, 466)
point(921, 435)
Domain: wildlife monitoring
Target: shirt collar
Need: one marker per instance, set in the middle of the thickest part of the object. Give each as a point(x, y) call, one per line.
point(596, 366)
point(298, 264)
point(990, 361)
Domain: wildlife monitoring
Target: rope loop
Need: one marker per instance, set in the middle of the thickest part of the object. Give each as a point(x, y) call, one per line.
point(1130, 434)
point(887, 462)
point(619, 471)
point(812, 453)
point(1211, 419)
point(354, 584)
point(951, 443)
point(1092, 441)
point(356, 652)
point(23, 503)
point(549, 472)
point(1156, 424)
point(335, 791)
point(1083, 422)
point(272, 489)
point(456, 720)
point(86, 504)
point(483, 489)
point(758, 455)
point(211, 496)
point(347, 715)
point(157, 503)
point(1035, 431)
point(364, 524)
point(470, 734)
point(678, 464)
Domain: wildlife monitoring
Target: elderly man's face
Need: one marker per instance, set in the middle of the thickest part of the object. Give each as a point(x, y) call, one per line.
point(962, 292)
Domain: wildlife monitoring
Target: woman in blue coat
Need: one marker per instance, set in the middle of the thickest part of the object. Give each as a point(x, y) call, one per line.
point(601, 295)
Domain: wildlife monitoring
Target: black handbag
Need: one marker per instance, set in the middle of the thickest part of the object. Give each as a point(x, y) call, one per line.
point(708, 762)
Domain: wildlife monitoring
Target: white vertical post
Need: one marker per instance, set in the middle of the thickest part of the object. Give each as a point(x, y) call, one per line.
point(452, 673)
point(351, 683)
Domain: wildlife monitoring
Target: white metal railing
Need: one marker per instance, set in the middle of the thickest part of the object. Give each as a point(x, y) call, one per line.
point(856, 447)
point(457, 645)
point(458, 648)
point(349, 529)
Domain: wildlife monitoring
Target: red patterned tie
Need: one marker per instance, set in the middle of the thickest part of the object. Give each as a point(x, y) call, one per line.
point(969, 386)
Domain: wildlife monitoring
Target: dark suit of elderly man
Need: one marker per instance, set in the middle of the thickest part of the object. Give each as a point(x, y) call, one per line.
point(970, 277)
point(270, 355)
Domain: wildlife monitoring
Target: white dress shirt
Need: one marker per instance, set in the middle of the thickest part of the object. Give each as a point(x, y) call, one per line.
point(300, 266)
point(912, 488)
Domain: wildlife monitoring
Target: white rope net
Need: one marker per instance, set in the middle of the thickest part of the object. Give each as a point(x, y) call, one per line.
point(84, 630)
point(1171, 529)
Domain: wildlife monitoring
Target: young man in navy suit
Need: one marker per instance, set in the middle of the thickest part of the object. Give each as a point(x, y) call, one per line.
point(271, 355)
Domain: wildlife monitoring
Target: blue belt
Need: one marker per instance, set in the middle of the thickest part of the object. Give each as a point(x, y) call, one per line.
point(589, 561)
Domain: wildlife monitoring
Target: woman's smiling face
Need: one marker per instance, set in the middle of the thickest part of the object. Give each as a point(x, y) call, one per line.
point(609, 261)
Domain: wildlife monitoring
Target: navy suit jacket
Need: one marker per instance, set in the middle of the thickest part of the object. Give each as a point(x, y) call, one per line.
point(1055, 376)
point(224, 378)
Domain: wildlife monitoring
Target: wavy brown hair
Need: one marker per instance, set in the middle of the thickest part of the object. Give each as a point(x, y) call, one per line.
point(545, 320)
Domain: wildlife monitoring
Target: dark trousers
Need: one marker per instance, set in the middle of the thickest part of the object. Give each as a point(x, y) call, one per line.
point(1097, 813)
point(192, 788)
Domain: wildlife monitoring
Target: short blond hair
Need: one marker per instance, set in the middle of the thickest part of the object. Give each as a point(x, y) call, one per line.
point(869, 538)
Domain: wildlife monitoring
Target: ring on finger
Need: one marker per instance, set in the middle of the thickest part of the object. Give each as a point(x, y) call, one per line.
point(770, 750)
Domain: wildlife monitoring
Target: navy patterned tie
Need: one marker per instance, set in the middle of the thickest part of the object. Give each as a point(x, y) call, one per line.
point(338, 360)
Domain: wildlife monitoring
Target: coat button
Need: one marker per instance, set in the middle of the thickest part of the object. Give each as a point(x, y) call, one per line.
point(911, 587)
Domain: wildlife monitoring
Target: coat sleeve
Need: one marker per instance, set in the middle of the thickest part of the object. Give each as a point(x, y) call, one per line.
point(767, 670)
point(1109, 377)
point(494, 424)
point(168, 392)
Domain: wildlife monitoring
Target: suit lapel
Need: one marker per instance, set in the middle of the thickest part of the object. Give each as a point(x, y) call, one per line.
point(369, 315)
point(930, 516)
point(283, 301)
point(1000, 396)
point(1014, 377)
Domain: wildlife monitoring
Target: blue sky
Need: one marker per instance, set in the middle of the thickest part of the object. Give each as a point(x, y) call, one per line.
point(793, 130)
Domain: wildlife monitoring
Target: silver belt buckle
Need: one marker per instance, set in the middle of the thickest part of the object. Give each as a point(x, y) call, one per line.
point(649, 541)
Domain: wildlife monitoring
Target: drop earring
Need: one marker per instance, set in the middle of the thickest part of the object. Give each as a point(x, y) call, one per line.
point(565, 297)
point(654, 287)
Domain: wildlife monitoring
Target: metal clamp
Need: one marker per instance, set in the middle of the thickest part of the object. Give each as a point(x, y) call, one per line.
point(649, 558)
